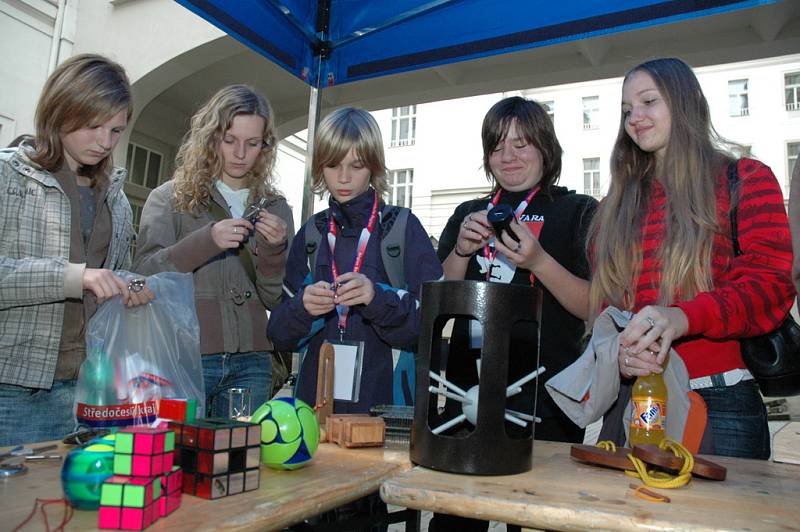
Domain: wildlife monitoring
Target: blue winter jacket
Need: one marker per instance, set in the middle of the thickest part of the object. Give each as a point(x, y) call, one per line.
point(392, 319)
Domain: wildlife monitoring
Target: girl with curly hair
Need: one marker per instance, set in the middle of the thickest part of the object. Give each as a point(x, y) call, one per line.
point(197, 222)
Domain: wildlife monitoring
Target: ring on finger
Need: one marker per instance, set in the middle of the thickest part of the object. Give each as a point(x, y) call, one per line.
point(651, 321)
point(235, 230)
point(626, 361)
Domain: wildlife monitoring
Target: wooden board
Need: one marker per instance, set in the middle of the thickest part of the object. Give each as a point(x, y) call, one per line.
point(335, 476)
point(703, 467)
point(560, 493)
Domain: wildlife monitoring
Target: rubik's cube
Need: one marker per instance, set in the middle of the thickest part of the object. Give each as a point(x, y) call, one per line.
point(171, 489)
point(182, 410)
point(143, 451)
point(219, 457)
point(129, 503)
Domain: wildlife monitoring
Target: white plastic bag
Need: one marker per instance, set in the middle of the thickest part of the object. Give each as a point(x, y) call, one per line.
point(137, 356)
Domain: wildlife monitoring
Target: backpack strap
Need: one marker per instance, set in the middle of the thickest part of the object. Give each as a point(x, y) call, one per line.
point(393, 236)
point(393, 239)
point(313, 236)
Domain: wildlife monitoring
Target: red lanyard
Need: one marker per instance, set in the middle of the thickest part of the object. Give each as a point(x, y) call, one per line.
point(489, 251)
point(363, 239)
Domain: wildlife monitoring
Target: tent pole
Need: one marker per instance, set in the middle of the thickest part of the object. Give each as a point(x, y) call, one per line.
point(313, 120)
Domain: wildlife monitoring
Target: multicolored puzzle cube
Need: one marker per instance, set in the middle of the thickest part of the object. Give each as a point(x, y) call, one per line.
point(129, 503)
point(143, 451)
point(219, 457)
point(182, 410)
point(171, 489)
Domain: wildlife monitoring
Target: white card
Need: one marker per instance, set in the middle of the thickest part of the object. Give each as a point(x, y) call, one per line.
point(347, 371)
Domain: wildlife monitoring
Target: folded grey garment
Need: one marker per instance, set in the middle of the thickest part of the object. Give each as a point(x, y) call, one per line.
point(596, 373)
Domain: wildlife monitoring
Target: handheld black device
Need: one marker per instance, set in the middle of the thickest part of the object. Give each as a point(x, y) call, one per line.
point(500, 217)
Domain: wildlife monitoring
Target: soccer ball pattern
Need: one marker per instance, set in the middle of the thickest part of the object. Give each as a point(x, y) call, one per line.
point(289, 432)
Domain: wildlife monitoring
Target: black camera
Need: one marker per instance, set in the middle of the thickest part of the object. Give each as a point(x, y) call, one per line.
point(500, 217)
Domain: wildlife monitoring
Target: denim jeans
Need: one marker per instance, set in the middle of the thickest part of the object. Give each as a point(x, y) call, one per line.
point(224, 371)
point(738, 420)
point(29, 415)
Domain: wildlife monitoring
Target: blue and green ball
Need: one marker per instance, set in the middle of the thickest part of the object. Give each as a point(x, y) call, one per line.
point(289, 432)
point(84, 471)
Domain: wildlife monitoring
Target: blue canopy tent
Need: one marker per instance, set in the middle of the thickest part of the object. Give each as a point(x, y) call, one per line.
point(329, 43)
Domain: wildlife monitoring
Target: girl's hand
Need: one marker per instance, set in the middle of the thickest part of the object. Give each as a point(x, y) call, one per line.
point(474, 233)
point(230, 233)
point(354, 289)
point(271, 227)
point(318, 298)
point(105, 284)
point(646, 340)
point(527, 253)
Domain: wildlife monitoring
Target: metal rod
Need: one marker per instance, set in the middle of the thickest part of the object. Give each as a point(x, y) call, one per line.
point(459, 398)
point(527, 378)
point(447, 383)
point(453, 422)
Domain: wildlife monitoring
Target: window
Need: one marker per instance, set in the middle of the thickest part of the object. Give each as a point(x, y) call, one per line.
point(591, 109)
point(550, 107)
point(144, 166)
point(792, 88)
point(591, 176)
point(792, 151)
point(404, 125)
point(400, 183)
point(737, 97)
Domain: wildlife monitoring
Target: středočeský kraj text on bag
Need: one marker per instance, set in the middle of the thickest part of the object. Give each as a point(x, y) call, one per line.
point(137, 356)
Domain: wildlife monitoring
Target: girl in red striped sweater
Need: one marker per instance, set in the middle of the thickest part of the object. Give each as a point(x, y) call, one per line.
point(661, 247)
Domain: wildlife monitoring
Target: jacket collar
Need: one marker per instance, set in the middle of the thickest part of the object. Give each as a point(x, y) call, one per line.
point(20, 162)
point(353, 214)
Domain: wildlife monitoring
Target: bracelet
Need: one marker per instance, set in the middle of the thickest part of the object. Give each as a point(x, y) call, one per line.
point(462, 255)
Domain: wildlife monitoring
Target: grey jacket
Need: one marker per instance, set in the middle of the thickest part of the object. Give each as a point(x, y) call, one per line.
point(35, 274)
point(589, 388)
point(230, 308)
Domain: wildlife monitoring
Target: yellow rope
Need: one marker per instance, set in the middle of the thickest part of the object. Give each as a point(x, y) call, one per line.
point(660, 479)
point(655, 478)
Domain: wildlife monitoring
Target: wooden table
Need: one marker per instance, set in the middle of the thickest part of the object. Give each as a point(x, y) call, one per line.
point(334, 477)
point(562, 494)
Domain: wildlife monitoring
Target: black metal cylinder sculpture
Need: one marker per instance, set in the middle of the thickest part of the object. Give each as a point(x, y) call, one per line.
point(488, 449)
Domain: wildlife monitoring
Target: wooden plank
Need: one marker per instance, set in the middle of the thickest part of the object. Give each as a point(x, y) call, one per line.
point(562, 494)
point(334, 477)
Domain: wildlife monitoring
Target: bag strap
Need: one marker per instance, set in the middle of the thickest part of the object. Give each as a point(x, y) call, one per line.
point(393, 235)
point(219, 214)
point(733, 180)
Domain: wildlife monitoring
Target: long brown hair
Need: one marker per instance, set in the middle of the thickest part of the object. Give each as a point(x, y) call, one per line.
point(199, 163)
point(84, 90)
point(688, 172)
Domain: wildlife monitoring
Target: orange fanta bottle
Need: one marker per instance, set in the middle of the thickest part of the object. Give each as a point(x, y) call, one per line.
point(649, 419)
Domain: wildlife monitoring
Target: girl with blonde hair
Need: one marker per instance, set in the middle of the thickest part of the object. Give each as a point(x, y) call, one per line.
point(221, 218)
point(346, 296)
point(66, 227)
point(661, 246)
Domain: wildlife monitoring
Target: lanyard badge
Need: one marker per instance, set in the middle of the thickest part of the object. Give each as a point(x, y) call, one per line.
point(363, 240)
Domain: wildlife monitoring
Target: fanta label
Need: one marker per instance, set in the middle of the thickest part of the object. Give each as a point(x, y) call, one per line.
point(650, 413)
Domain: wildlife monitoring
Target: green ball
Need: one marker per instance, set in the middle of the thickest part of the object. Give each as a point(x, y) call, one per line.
point(289, 432)
point(83, 473)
